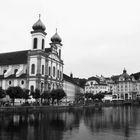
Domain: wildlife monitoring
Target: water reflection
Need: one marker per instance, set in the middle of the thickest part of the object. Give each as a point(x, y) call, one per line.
point(108, 123)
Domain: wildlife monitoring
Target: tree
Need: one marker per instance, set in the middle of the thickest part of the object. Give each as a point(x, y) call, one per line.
point(46, 95)
point(15, 93)
point(36, 94)
point(99, 96)
point(57, 94)
point(88, 96)
point(2, 93)
point(79, 97)
point(26, 94)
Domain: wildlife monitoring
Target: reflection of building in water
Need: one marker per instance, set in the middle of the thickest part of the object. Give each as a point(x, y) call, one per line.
point(115, 120)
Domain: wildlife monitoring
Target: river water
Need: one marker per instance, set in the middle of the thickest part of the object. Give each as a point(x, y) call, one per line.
point(110, 123)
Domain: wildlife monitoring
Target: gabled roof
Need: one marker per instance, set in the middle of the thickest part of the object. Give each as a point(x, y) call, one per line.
point(10, 58)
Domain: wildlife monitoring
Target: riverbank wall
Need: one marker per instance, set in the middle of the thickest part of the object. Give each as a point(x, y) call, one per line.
point(33, 109)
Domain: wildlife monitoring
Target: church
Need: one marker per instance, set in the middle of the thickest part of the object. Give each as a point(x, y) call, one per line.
point(38, 67)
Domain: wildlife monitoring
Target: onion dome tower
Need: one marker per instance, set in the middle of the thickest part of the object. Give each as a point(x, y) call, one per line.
point(38, 35)
point(56, 38)
point(56, 43)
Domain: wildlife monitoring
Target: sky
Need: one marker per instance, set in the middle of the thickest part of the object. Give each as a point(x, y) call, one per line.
point(99, 37)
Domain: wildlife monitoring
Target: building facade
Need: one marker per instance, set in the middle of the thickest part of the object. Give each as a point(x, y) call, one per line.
point(38, 67)
point(96, 85)
point(71, 88)
point(125, 87)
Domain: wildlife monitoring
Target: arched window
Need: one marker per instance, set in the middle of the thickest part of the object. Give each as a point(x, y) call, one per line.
point(42, 85)
point(35, 43)
point(22, 82)
point(49, 71)
point(10, 82)
point(33, 69)
point(53, 71)
point(42, 44)
point(42, 69)
point(59, 53)
point(57, 73)
point(32, 88)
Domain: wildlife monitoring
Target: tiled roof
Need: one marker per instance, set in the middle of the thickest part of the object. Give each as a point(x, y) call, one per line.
point(69, 79)
point(18, 57)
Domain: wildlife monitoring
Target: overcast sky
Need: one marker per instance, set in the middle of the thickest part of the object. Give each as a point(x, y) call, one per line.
point(98, 36)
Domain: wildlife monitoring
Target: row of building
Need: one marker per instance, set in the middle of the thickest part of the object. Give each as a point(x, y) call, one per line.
point(42, 67)
point(118, 87)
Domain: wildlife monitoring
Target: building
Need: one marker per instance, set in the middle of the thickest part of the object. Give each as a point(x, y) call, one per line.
point(38, 67)
point(125, 87)
point(71, 88)
point(96, 85)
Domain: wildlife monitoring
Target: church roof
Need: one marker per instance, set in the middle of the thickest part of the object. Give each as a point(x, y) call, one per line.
point(39, 25)
point(11, 58)
point(56, 38)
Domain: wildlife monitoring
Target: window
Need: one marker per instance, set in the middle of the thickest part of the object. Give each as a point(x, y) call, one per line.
point(35, 43)
point(60, 75)
point(49, 71)
point(32, 88)
point(53, 71)
point(10, 82)
point(42, 69)
point(42, 44)
point(22, 82)
point(59, 53)
point(42, 85)
point(33, 69)
point(57, 73)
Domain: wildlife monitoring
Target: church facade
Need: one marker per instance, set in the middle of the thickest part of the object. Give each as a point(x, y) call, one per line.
point(38, 67)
